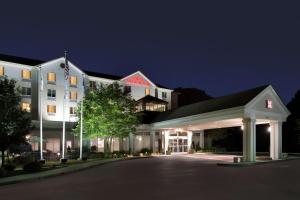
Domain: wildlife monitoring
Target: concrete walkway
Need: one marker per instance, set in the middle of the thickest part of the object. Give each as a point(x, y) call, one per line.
point(60, 171)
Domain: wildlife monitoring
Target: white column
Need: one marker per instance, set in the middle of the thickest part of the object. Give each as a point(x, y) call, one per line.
point(190, 136)
point(152, 141)
point(249, 140)
point(201, 139)
point(276, 140)
point(166, 141)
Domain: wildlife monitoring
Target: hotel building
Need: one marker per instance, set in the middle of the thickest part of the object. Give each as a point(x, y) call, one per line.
point(163, 128)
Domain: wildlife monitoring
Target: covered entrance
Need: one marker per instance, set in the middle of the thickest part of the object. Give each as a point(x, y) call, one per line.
point(245, 109)
point(178, 142)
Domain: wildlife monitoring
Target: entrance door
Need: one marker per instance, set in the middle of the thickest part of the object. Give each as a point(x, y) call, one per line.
point(178, 145)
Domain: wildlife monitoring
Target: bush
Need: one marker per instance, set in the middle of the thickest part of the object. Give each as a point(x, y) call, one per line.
point(9, 167)
point(32, 167)
point(24, 159)
point(119, 154)
point(93, 148)
point(95, 155)
point(3, 172)
point(146, 151)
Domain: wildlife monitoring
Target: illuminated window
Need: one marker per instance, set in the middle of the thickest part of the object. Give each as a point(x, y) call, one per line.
point(51, 93)
point(26, 91)
point(73, 95)
point(72, 111)
point(1, 71)
point(51, 109)
point(164, 95)
point(26, 74)
point(269, 104)
point(51, 77)
point(147, 91)
point(25, 106)
point(73, 80)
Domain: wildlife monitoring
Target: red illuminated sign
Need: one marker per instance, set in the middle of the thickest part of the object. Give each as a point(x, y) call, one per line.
point(137, 80)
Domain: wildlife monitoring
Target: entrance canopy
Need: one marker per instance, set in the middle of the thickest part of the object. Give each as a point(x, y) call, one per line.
point(260, 105)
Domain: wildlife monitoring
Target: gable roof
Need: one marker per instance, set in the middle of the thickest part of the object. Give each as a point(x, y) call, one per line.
point(219, 103)
point(20, 60)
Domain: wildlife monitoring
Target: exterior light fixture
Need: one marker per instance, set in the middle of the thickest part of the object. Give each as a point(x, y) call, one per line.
point(140, 138)
point(269, 129)
point(27, 137)
point(242, 127)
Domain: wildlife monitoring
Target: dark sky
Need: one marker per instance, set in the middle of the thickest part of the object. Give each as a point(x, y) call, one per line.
point(218, 46)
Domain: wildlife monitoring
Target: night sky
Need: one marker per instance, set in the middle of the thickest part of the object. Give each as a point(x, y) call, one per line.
point(218, 46)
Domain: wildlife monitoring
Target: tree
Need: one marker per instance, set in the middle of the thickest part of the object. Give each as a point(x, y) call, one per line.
point(292, 126)
point(14, 122)
point(107, 112)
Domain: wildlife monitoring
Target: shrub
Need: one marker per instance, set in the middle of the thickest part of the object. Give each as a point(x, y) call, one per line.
point(119, 154)
point(95, 155)
point(93, 148)
point(9, 167)
point(32, 167)
point(3, 172)
point(23, 159)
point(146, 151)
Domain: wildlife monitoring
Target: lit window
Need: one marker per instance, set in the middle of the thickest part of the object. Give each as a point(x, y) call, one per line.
point(164, 95)
point(1, 71)
point(73, 95)
point(269, 104)
point(72, 111)
point(26, 74)
point(51, 93)
point(51, 109)
point(51, 77)
point(26, 91)
point(73, 80)
point(147, 91)
point(25, 106)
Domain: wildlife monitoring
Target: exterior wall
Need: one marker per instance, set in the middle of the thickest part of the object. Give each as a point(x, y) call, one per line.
point(54, 66)
point(52, 135)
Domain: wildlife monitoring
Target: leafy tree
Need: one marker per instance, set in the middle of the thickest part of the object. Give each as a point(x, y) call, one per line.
point(14, 122)
point(291, 128)
point(107, 112)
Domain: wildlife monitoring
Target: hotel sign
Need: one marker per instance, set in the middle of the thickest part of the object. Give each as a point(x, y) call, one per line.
point(137, 80)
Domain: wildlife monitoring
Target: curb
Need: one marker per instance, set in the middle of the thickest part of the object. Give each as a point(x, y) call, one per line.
point(61, 171)
point(247, 164)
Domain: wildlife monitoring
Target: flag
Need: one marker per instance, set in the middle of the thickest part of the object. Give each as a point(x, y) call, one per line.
point(42, 82)
point(83, 85)
point(66, 68)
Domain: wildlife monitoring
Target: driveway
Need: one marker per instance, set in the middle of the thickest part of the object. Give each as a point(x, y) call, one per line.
point(174, 177)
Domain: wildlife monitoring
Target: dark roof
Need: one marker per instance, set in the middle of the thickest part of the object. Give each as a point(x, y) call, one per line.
point(20, 60)
point(33, 62)
point(219, 103)
point(100, 75)
point(113, 77)
point(150, 98)
point(147, 117)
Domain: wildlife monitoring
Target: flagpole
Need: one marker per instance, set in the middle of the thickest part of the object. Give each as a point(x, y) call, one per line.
point(64, 106)
point(41, 114)
point(81, 118)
